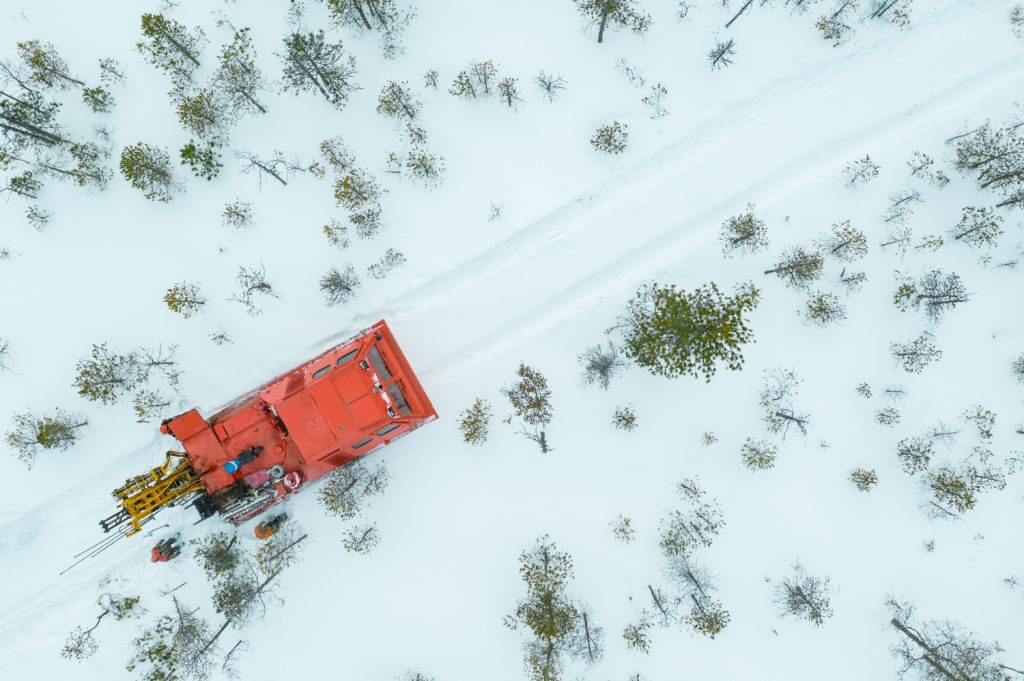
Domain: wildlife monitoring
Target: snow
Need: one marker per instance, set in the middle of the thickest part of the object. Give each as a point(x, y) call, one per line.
point(580, 232)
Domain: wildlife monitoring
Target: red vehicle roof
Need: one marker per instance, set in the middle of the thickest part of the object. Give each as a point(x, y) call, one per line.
point(344, 403)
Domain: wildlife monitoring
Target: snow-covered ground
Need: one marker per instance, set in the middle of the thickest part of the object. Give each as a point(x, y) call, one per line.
point(579, 232)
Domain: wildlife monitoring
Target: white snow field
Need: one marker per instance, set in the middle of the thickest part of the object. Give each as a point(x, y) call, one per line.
point(580, 231)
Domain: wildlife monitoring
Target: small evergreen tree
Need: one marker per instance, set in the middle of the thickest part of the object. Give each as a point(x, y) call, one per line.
point(311, 64)
point(347, 489)
point(531, 400)
point(915, 453)
point(389, 261)
point(611, 138)
point(622, 529)
point(624, 418)
point(861, 171)
point(845, 242)
point(148, 169)
point(508, 93)
point(426, 168)
point(336, 233)
point(887, 416)
point(758, 455)
point(934, 293)
point(672, 332)
point(184, 298)
point(614, 14)
point(106, 376)
point(171, 47)
point(237, 214)
point(864, 479)
point(744, 233)
point(474, 422)
point(361, 539)
point(915, 355)
point(33, 434)
point(98, 99)
point(202, 160)
point(396, 100)
point(824, 309)
point(218, 553)
point(636, 635)
point(238, 79)
point(798, 267)
point(978, 227)
point(149, 405)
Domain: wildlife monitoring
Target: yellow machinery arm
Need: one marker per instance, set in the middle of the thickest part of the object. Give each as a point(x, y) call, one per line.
point(143, 495)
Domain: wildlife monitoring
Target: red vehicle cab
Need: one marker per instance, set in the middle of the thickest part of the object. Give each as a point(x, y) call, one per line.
point(345, 403)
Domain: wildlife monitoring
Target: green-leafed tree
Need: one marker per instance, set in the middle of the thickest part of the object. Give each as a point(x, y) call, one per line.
point(672, 332)
point(915, 355)
point(238, 78)
point(106, 376)
point(614, 14)
point(45, 66)
point(744, 233)
point(98, 99)
point(531, 399)
point(218, 553)
point(554, 621)
point(845, 242)
point(978, 227)
point(311, 64)
point(171, 47)
point(204, 114)
point(347, 489)
point(33, 434)
point(148, 169)
point(474, 422)
point(397, 100)
point(202, 159)
point(799, 267)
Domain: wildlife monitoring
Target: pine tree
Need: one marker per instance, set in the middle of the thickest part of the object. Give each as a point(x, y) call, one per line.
point(824, 309)
point(237, 214)
point(361, 539)
point(706, 615)
point(743, 233)
point(106, 376)
point(347, 489)
point(915, 355)
point(624, 418)
point(758, 455)
point(978, 227)
point(238, 78)
point(45, 66)
point(202, 160)
point(148, 169)
point(636, 635)
point(546, 611)
point(531, 401)
point(389, 261)
point(184, 298)
point(845, 242)
point(474, 422)
point(798, 267)
point(397, 100)
point(653, 100)
point(311, 64)
point(33, 434)
point(672, 332)
point(508, 93)
point(915, 453)
point(98, 99)
point(934, 293)
point(204, 114)
point(835, 25)
point(614, 14)
point(428, 169)
point(864, 479)
point(612, 138)
point(476, 81)
point(170, 46)
point(339, 286)
point(218, 553)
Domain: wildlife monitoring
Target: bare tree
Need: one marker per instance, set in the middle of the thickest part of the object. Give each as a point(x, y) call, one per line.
point(252, 281)
point(934, 293)
point(339, 286)
point(601, 364)
point(936, 650)
point(721, 54)
point(277, 166)
point(777, 402)
point(804, 596)
point(550, 85)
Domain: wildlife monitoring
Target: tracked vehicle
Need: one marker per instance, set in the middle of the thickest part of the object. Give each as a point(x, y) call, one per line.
point(273, 441)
